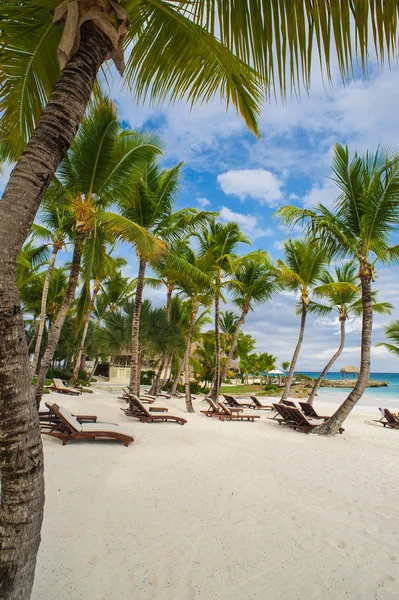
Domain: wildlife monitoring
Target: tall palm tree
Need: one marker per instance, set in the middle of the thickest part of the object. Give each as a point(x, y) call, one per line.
point(169, 45)
point(304, 263)
point(392, 334)
point(267, 362)
point(285, 365)
point(97, 170)
point(344, 303)
point(255, 282)
point(359, 226)
point(218, 242)
point(115, 291)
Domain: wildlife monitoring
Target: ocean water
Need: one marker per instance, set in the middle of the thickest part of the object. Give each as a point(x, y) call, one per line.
point(383, 396)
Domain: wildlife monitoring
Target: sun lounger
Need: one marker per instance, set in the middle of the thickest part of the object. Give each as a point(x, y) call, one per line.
point(300, 422)
point(390, 419)
point(162, 394)
point(151, 408)
point(310, 412)
point(215, 409)
point(179, 395)
point(49, 416)
point(259, 404)
point(69, 428)
point(58, 386)
point(146, 398)
point(233, 403)
point(139, 411)
point(233, 415)
point(282, 415)
point(289, 403)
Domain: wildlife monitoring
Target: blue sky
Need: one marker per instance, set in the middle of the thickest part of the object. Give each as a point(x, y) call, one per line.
point(228, 170)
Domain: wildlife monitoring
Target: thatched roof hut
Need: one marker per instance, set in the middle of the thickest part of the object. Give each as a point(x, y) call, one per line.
point(349, 369)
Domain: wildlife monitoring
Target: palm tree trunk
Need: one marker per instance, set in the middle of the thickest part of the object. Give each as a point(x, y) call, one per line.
point(155, 384)
point(93, 370)
point(230, 355)
point(42, 318)
point(75, 372)
point(134, 385)
point(287, 387)
point(331, 427)
point(32, 339)
point(216, 385)
point(21, 461)
point(330, 363)
point(177, 378)
point(189, 404)
point(55, 331)
point(168, 365)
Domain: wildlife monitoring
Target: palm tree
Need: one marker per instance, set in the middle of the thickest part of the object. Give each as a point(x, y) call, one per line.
point(359, 226)
point(254, 283)
point(267, 362)
point(344, 303)
point(305, 262)
point(218, 241)
point(392, 333)
point(285, 365)
point(168, 45)
point(96, 171)
point(115, 291)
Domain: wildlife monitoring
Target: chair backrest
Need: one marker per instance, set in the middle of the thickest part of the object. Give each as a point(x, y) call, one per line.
point(255, 401)
point(213, 404)
point(390, 417)
point(136, 400)
point(298, 416)
point(282, 411)
point(59, 383)
point(289, 403)
point(231, 401)
point(64, 414)
point(308, 409)
point(225, 409)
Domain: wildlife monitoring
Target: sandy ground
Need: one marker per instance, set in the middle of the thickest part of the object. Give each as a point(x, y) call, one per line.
point(214, 511)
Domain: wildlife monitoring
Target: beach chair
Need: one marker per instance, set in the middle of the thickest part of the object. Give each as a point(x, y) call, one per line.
point(233, 403)
point(310, 412)
point(300, 422)
point(282, 415)
point(179, 395)
point(289, 403)
point(259, 404)
point(231, 414)
point(151, 408)
point(67, 427)
point(139, 411)
point(59, 387)
point(162, 394)
point(49, 416)
point(215, 410)
point(390, 419)
point(146, 398)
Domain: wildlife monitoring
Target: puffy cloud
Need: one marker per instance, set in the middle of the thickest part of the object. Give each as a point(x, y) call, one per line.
point(321, 194)
point(248, 223)
point(203, 202)
point(258, 184)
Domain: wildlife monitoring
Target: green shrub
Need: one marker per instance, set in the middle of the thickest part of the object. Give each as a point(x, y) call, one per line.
point(146, 377)
point(83, 375)
point(302, 377)
point(271, 387)
point(65, 374)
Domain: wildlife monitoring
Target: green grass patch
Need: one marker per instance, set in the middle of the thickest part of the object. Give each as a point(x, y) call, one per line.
point(243, 389)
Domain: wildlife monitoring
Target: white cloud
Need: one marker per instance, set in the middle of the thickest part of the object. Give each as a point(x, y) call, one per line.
point(203, 202)
point(321, 194)
point(5, 176)
point(259, 184)
point(248, 223)
point(294, 197)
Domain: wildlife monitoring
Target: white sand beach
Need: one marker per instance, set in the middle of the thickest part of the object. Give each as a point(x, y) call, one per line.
point(215, 511)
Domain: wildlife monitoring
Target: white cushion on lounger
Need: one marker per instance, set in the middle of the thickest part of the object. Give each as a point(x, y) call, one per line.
point(70, 418)
point(93, 427)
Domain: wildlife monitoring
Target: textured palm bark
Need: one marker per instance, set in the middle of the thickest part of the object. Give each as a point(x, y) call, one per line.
point(216, 378)
point(290, 377)
point(42, 318)
point(21, 459)
point(234, 342)
point(167, 371)
point(155, 384)
point(78, 360)
point(331, 427)
point(330, 362)
point(187, 373)
point(55, 331)
point(177, 378)
point(134, 385)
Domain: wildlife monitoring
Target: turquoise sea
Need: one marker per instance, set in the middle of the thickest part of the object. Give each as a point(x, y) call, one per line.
point(384, 396)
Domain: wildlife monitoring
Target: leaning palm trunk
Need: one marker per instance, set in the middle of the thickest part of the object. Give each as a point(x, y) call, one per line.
point(187, 374)
point(331, 427)
point(155, 384)
point(134, 385)
point(93, 370)
point(329, 364)
point(55, 331)
point(21, 462)
point(78, 360)
point(290, 377)
point(177, 378)
point(43, 307)
point(230, 355)
point(166, 378)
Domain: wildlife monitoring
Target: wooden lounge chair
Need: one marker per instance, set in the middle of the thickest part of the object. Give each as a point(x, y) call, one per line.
point(58, 386)
point(282, 415)
point(179, 395)
point(259, 404)
point(390, 419)
point(139, 411)
point(215, 409)
point(128, 397)
point(310, 412)
point(300, 422)
point(49, 416)
point(289, 403)
point(231, 414)
point(233, 403)
point(147, 398)
point(68, 428)
point(162, 394)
